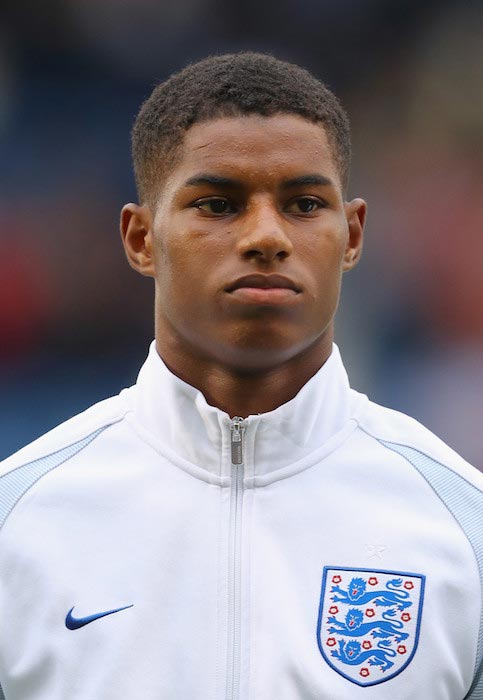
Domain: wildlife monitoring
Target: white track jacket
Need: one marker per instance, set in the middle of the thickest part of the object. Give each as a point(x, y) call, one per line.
point(152, 548)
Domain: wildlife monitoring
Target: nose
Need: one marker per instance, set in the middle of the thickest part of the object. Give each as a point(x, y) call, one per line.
point(263, 234)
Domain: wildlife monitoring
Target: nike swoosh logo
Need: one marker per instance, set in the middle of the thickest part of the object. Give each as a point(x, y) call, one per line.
point(74, 623)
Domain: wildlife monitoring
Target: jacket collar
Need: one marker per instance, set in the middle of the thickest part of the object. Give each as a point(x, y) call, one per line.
point(178, 418)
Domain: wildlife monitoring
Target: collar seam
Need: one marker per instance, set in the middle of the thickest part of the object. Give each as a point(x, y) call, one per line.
point(172, 458)
point(314, 459)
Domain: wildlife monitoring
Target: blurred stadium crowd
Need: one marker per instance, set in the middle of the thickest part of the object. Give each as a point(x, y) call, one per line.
point(75, 321)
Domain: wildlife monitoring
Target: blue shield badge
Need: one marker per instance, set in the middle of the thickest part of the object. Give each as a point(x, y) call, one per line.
point(369, 621)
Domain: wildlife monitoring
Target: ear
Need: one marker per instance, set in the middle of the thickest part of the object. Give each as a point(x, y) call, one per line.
point(137, 238)
point(355, 212)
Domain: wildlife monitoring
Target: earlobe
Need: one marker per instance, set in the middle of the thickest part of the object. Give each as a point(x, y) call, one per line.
point(356, 211)
point(136, 234)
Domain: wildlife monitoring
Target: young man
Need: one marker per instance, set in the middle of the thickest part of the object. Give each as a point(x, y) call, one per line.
point(240, 524)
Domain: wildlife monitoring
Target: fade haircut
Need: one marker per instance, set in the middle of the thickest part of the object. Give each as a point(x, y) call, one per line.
point(230, 85)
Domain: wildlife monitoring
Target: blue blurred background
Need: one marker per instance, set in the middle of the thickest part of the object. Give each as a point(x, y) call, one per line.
point(75, 321)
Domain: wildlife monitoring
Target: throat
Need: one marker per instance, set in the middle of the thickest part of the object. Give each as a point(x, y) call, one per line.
point(246, 393)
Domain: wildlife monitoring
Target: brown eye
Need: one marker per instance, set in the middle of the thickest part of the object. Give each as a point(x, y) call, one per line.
point(215, 205)
point(305, 205)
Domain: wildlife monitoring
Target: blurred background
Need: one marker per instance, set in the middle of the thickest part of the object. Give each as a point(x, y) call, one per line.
point(75, 321)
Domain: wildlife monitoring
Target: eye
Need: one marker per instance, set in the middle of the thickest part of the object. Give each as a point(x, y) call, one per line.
point(216, 206)
point(305, 205)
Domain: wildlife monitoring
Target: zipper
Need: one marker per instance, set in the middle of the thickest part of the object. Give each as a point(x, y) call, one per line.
point(237, 428)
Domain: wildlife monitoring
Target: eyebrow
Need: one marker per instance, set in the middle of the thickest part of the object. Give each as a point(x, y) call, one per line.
point(219, 181)
point(216, 180)
point(308, 180)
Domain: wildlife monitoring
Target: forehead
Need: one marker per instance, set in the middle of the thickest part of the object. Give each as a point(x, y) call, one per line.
point(256, 147)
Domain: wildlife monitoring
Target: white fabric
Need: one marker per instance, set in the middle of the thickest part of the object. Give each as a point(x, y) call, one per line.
point(179, 417)
point(142, 515)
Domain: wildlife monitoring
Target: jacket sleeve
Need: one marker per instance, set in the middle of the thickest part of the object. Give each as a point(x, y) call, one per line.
point(462, 494)
point(476, 691)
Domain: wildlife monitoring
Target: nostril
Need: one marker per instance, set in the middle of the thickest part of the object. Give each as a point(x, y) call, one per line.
point(269, 255)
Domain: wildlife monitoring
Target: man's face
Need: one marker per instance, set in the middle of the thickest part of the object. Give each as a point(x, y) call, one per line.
point(251, 195)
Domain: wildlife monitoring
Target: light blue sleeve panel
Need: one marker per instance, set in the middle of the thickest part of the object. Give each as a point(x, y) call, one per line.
point(476, 691)
point(17, 482)
point(465, 502)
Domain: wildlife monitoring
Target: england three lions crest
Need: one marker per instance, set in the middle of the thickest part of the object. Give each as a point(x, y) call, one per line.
point(368, 628)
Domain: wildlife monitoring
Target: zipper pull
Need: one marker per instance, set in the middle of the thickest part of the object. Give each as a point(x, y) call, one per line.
point(237, 427)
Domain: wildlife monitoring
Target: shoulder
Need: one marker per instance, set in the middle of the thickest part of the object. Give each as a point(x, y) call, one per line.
point(457, 484)
point(77, 431)
point(413, 441)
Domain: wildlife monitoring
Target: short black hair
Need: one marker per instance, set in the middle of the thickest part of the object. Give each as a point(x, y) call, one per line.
point(224, 86)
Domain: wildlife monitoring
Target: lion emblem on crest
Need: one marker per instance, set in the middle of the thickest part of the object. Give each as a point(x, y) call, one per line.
point(369, 622)
point(356, 594)
point(354, 626)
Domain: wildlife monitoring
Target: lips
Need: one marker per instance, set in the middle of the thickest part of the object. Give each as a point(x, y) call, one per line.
point(263, 282)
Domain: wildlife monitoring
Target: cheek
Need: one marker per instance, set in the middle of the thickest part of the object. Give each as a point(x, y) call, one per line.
point(323, 261)
point(183, 266)
point(173, 256)
point(197, 244)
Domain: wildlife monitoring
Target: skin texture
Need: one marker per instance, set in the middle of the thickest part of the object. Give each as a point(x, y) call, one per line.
point(246, 356)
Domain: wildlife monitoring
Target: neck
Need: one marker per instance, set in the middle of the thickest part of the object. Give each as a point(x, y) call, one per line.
point(240, 393)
